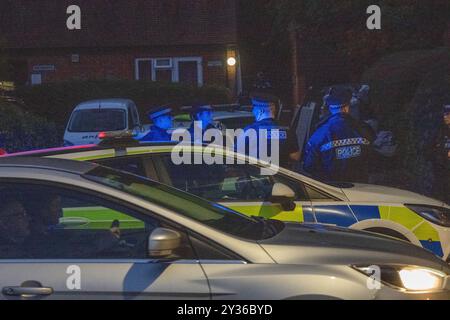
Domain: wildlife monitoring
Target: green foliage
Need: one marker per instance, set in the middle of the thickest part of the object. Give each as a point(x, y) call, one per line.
point(340, 27)
point(408, 90)
point(55, 101)
point(22, 131)
point(407, 23)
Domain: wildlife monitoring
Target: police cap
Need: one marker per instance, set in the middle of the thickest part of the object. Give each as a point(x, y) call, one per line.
point(159, 111)
point(339, 96)
point(262, 99)
point(199, 107)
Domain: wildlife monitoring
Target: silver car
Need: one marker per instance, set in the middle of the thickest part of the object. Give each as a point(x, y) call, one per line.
point(77, 230)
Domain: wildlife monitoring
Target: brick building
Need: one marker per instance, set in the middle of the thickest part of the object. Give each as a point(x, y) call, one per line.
point(187, 41)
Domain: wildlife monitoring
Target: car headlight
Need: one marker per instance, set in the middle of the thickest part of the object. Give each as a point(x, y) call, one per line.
point(437, 215)
point(408, 278)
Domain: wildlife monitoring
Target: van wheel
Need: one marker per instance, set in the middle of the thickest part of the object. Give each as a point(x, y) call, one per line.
point(388, 232)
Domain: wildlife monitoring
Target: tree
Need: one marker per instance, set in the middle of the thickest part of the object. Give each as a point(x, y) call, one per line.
point(334, 33)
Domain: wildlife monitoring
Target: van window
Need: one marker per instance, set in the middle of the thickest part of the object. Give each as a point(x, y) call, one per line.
point(96, 120)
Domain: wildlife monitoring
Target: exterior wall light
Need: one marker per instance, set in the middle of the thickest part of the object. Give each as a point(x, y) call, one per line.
point(231, 61)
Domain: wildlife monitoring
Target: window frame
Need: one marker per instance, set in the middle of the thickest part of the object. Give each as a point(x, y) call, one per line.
point(138, 213)
point(164, 177)
point(175, 78)
point(329, 198)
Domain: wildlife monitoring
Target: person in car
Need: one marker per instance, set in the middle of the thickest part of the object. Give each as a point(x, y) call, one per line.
point(162, 121)
point(14, 229)
point(341, 147)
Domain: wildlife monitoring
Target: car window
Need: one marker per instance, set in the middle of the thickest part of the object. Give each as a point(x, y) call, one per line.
point(211, 214)
point(96, 120)
point(237, 122)
point(227, 182)
point(135, 116)
point(44, 222)
point(133, 165)
point(318, 196)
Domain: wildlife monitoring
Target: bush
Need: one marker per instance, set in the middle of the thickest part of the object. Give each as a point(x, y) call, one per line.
point(23, 131)
point(56, 101)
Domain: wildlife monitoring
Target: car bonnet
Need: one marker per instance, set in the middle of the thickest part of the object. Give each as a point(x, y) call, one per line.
point(321, 244)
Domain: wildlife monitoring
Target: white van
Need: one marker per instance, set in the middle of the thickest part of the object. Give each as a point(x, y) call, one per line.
point(90, 118)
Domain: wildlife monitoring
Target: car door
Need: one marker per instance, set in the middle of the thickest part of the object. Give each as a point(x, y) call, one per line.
point(330, 210)
point(60, 243)
point(241, 187)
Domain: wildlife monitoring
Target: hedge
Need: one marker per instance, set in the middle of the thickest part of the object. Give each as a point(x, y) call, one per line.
point(55, 101)
point(23, 131)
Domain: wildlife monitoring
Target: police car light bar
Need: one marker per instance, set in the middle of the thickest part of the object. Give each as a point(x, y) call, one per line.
point(115, 135)
point(117, 139)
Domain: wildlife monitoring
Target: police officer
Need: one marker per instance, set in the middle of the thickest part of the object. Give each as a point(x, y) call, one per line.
point(162, 121)
point(202, 120)
point(441, 158)
point(264, 108)
point(340, 148)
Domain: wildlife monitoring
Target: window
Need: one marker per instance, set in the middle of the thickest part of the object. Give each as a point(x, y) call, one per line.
point(132, 117)
point(224, 182)
point(316, 195)
point(163, 75)
point(133, 165)
point(237, 122)
point(164, 63)
point(44, 222)
point(211, 214)
point(186, 70)
point(144, 69)
point(206, 250)
point(96, 120)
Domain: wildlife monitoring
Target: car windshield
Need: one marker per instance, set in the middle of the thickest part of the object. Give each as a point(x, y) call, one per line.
point(211, 214)
point(96, 120)
point(237, 123)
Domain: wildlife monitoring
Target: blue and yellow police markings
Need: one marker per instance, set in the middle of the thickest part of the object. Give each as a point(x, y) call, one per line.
point(97, 218)
point(424, 231)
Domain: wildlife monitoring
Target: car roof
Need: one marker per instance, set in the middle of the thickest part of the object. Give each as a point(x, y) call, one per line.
point(76, 149)
point(104, 103)
point(221, 115)
point(161, 147)
point(71, 166)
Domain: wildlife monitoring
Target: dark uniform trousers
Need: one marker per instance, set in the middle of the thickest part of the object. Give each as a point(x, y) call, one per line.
point(441, 165)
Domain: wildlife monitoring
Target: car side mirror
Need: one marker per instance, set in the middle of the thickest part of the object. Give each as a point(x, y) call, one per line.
point(162, 242)
point(283, 195)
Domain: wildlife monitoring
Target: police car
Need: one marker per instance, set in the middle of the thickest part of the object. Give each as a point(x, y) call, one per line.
point(284, 195)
